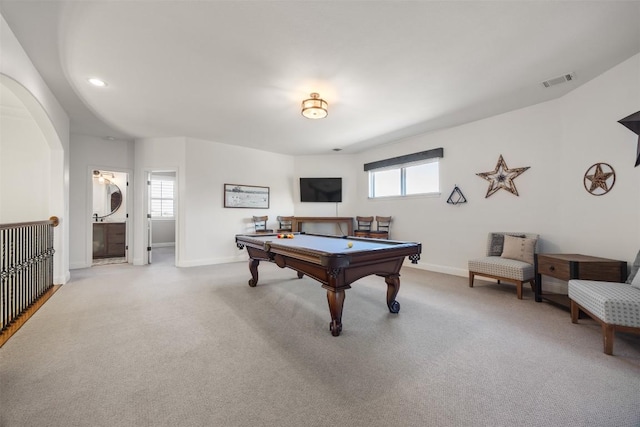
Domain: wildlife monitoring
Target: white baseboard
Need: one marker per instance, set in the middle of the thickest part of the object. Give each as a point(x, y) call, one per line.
point(62, 279)
point(78, 265)
point(548, 284)
point(438, 268)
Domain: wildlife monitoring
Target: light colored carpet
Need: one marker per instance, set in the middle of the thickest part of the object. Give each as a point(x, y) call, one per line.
point(162, 346)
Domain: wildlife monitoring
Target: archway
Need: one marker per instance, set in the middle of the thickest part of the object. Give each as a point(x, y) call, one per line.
point(33, 183)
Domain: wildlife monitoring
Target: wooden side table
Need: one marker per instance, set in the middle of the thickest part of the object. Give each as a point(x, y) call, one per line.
point(575, 266)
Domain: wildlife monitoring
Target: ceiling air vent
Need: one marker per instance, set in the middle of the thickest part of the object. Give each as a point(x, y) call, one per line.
point(558, 80)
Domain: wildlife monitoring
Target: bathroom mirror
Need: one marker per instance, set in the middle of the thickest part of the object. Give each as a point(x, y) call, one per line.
point(107, 198)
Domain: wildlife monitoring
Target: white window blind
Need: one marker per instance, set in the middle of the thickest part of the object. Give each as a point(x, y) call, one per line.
point(162, 198)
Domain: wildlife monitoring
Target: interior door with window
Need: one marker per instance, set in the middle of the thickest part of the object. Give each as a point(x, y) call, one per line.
point(161, 216)
point(149, 222)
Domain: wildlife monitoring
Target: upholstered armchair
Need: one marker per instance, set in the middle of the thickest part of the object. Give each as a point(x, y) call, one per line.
point(509, 258)
point(615, 306)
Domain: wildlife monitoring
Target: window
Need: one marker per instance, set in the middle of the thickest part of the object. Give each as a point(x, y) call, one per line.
point(162, 198)
point(417, 173)
point(424, 178)
point(405, 180)
point(385, 183)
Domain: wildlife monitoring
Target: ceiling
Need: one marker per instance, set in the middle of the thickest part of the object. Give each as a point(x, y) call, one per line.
point(236, 72)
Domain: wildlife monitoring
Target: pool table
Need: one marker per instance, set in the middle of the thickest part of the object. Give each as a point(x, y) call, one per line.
point(332, 261)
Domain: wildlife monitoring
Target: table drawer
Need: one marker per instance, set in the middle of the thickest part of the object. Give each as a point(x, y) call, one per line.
point(614, 271)
point(554, 268)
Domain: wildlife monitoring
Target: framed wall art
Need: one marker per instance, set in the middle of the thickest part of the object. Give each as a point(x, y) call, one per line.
point(246, 196)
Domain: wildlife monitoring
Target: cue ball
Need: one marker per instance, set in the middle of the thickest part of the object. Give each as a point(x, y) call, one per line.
point(350, 245)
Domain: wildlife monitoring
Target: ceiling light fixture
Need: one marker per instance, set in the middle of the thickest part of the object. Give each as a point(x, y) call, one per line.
point(102, 176)
point(314, 107)
point(97, 82)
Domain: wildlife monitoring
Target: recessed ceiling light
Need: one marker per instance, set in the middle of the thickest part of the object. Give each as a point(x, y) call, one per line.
point(97, 82)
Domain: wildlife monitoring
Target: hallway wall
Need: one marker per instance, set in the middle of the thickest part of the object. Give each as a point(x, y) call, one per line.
point(18, 73)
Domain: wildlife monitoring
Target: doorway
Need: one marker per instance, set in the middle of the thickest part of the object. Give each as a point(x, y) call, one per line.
point(109, 217)
point(161, 217)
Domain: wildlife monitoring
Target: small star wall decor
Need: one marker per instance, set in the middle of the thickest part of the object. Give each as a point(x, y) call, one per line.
point(632, 123)
point(599, 179)
point(502, 177)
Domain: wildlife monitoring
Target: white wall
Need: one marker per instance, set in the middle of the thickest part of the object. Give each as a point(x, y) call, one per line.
point(607, 225)
point(163, 232)
point(24, 164)
point(559, 140)
point(328, 166)
point(206, 229)
point(87, 154)
point(156, 154)
point(452, 234)
point(209, 226)
point(18, 74)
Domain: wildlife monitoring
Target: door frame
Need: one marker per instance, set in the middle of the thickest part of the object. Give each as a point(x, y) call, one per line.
point(148, 240)
point(89, 211)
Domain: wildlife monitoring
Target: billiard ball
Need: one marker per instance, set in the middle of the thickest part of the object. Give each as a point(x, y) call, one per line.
point(350, 244)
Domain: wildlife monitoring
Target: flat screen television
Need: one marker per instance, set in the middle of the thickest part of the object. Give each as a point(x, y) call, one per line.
point(321, 189)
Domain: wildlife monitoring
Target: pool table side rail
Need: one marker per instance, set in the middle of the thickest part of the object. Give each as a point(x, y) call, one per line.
point(390, 248)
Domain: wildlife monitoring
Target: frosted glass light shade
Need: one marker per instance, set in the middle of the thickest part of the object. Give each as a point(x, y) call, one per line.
point(315, 107)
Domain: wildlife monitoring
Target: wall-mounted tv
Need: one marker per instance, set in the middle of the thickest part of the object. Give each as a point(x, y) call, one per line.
point(321, 189)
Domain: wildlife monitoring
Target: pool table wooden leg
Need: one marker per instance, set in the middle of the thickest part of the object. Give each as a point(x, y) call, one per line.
point(336, 302)
point(253, 268)
point(393, 286)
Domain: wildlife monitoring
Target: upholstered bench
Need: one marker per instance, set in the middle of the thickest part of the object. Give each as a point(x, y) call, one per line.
point(616, 306)
point(510, 262)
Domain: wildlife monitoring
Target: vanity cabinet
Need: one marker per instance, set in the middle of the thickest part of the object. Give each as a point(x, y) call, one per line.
point(109, 239)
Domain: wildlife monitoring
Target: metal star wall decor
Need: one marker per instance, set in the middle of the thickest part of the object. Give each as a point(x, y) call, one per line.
point(502, 177)
point(632, 123)
point(599, 179)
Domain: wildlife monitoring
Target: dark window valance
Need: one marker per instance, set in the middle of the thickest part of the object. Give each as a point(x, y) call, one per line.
point(408, 158)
